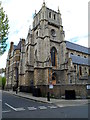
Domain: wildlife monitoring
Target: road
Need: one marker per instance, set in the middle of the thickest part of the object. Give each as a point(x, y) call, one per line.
point(18, 107)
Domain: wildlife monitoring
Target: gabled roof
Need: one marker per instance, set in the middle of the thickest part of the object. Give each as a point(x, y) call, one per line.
point(77, 47)
point(80, 60)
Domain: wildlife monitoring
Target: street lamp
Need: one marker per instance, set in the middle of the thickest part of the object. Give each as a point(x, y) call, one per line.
point(8, 72)
point(49, 86)
point(16, 68)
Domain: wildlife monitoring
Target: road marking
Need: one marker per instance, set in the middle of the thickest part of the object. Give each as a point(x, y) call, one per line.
point(52, 107)
point(61, 106)
point(20, 109)
point(15, 109)
point(6, 111)
point(32, 108)
point(11, 107)
point(42, 107)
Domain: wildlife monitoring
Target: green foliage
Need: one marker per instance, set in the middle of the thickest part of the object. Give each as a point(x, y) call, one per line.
point(4, 27)
point(2, 81)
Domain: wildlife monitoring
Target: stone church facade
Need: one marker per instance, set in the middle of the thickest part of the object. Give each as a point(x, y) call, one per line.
point(45, 58)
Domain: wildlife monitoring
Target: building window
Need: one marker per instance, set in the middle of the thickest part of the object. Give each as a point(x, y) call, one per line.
point(80, 70)
point(62, 51)
point(89, 71)
point(85, 68)
point(53, 76)
point(75, 67)
point(37, 34)
point(71, 53)
point(70, 81)
point(49, 14)
point(69, 78)
point(54, 16)
point(27, 55)
point(53, 33)
point(84, 56)
point(53, 56)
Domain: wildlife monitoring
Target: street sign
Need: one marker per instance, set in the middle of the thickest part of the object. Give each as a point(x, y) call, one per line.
point(88, 87)
point(51, 86)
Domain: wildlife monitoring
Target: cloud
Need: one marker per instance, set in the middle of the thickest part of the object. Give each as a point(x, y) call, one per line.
point(75, 39)
point(74, 17)
point(81, 40)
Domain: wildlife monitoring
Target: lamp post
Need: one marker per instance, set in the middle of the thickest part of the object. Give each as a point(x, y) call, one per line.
point(49, 86)
point(8, 73)
point(16, 77)
point(8, 78)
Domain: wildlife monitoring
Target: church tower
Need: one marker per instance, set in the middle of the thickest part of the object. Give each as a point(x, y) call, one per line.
point(47, 35)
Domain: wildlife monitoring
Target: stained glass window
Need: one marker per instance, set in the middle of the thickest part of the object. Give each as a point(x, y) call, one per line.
point(53, 56)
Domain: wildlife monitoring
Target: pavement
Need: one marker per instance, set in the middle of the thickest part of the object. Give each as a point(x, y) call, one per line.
point(58, 102)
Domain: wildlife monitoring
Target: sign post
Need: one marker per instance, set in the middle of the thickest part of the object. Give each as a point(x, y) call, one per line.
point(48, 94)
point(51, 86)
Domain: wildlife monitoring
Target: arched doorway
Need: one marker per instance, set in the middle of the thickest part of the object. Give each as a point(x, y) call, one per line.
point(54, 78)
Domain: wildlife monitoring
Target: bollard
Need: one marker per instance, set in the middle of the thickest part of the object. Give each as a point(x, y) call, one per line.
point(48, 96)
point(16, 91)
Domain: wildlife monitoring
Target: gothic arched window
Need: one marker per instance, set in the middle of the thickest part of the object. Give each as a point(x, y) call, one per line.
point(80, 70)
point(89, 71)
point(37, 34)
point(54, 16)
point(27, 55)
point(53, 33)
point(49, 14)
point(53, 56)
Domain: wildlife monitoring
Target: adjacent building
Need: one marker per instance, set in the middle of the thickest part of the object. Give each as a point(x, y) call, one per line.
point(45, 58)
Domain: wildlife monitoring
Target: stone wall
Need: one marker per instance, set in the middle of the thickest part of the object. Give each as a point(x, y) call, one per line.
point(21, 79)
point(28, 77)
point(40, 76)
point(61, 76)
point(58, 91)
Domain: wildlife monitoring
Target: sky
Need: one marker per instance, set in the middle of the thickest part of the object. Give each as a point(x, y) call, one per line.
point(20, 13)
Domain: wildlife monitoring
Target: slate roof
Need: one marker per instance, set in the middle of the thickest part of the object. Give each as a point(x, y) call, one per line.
point(17, 47)
point(77, 47)
point(80, 60)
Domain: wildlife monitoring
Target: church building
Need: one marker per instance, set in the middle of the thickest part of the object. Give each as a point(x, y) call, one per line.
point(45, 58)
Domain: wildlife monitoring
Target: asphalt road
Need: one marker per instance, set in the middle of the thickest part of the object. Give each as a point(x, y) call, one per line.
point(18, 107)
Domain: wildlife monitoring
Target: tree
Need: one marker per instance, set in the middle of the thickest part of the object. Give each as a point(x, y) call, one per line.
point(4, 27)
point(2, 82)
